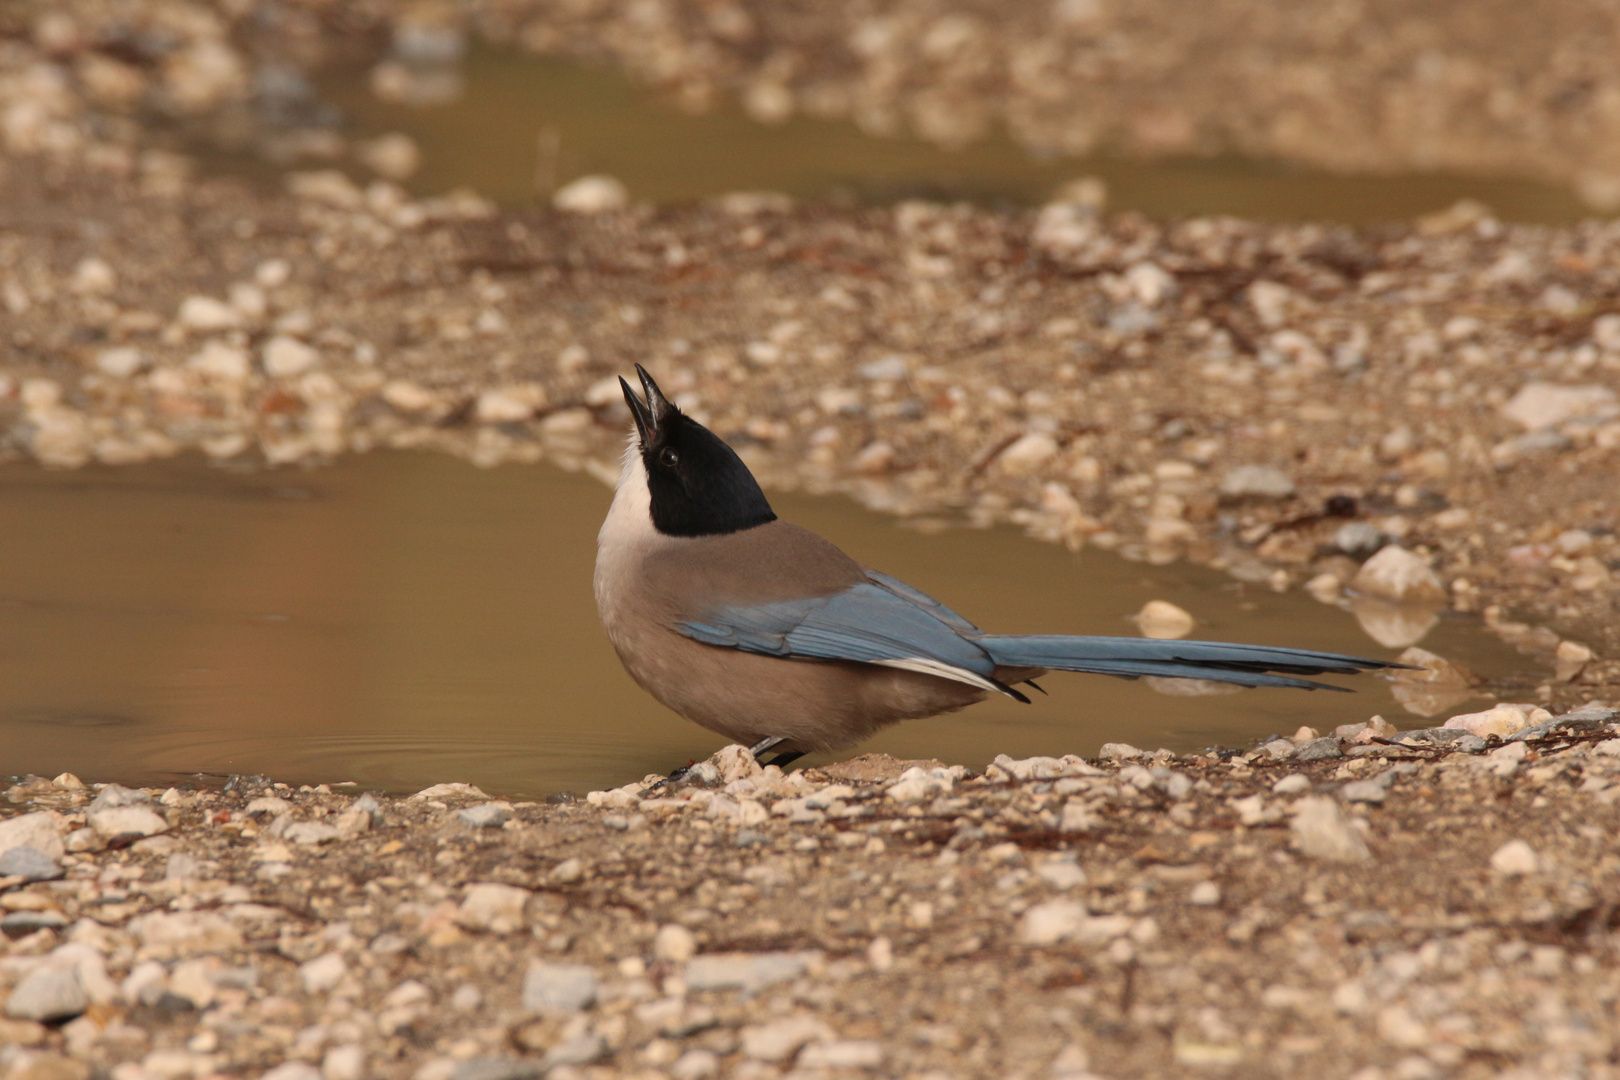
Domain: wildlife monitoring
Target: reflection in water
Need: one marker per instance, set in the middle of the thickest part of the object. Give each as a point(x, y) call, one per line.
point(400, 619)
point(523, 121)
point(1392, 625)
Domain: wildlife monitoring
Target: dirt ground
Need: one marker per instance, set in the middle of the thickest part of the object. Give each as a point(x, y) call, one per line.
point(1278, 401)
point(1394, 912)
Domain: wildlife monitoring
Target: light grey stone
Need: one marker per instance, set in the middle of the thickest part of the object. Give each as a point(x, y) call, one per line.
point(749, 972)
point(579, 1050)
point(1323, 749)
point(1364, 791)
point(1359, 539)
point(48, 993)
point(28, 863)
point(561, 987)
point(485, 816)
point(38, 831)
point(312, 832)
point(778, 1040)
point(1321, 831)
point(1256, 482)
point(1583, 721)
point(498, 1068)
point(115, 795)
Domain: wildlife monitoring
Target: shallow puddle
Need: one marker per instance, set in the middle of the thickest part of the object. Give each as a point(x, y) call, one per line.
point(398, 619)
point(524, 123)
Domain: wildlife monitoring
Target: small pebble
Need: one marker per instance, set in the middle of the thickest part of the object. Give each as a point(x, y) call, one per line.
point(1515, 858)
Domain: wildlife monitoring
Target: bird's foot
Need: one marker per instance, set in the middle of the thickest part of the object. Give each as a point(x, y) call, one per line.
point(675, 777)
point(766, 745)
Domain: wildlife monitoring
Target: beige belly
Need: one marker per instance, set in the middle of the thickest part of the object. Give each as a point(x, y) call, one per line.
point(747, 697)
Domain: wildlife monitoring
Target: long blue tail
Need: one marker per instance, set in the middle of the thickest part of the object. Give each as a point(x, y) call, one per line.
point(1217, 661)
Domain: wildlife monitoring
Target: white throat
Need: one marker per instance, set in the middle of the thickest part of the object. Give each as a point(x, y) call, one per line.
point(629, 520)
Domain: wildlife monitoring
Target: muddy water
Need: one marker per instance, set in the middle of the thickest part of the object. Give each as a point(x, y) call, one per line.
point(525, 122)
point(401, 619)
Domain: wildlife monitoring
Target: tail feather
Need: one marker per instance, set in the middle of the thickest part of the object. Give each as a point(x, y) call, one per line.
point(1130, 658)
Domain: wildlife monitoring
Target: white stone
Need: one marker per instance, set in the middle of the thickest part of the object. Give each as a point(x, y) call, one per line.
point(509, 404)
point(1397, 1025)
point(1040, 767)
point(455, 790)
point(1256, 482)
point(1292, 784)
point(325, 185)
point(1270, 301)
point(127, 821)
point(121, 361)
point(1399, 575)
point(695, 1065)
point(1204, 894)
point(559, 987)
point(1077, 817)
point(1061, 873)
point(347, 1062)
point(1321, 831)
point(1064, 227)
point(394, 156)
point(190, 933)
point(1515, 859)
point(1150, 283)
point(1540, 405)
point(674, 943)
point(292, 1070)
point(408, 396)
point(842, 1054)
point(272, 273)
point(1067, 920)
point(1500, 720)
point(249, 300)
point(323, 973)
point(93, 276)
point(494, 907)
point(592, 195)
point(311, 833)
point(1027, 454)
point(1164, 620)
point(285, 356)
point(38, 830)
point(779, 1040)
point(916, 784)
point(206, 314)
point(221, 361)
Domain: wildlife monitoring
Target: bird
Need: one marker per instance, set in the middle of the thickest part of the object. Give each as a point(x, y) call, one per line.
point(771, 636)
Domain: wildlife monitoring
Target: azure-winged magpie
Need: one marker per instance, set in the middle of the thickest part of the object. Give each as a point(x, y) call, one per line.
point(766, 633)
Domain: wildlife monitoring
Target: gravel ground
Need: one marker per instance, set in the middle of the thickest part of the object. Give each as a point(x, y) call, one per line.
point(1388, 86)
point(1139, 916)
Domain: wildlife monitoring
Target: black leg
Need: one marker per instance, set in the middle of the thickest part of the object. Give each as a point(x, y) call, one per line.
point(766, 745)
point(785, 758)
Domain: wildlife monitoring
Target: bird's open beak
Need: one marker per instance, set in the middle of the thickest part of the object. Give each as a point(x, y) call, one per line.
point(648, 414)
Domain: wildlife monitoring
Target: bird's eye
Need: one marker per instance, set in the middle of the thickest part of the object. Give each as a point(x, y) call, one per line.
point(668, 458)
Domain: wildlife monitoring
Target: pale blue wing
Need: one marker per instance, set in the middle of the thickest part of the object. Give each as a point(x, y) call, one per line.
point(870, 623)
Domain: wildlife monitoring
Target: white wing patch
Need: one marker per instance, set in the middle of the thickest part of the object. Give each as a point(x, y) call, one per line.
point(940, 669)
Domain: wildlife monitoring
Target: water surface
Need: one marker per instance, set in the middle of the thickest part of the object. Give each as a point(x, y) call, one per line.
point(399, 619)
point(524, 124)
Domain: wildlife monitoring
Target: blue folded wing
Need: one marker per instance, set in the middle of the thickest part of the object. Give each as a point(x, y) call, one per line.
point(884, 621)
point(876, 622)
